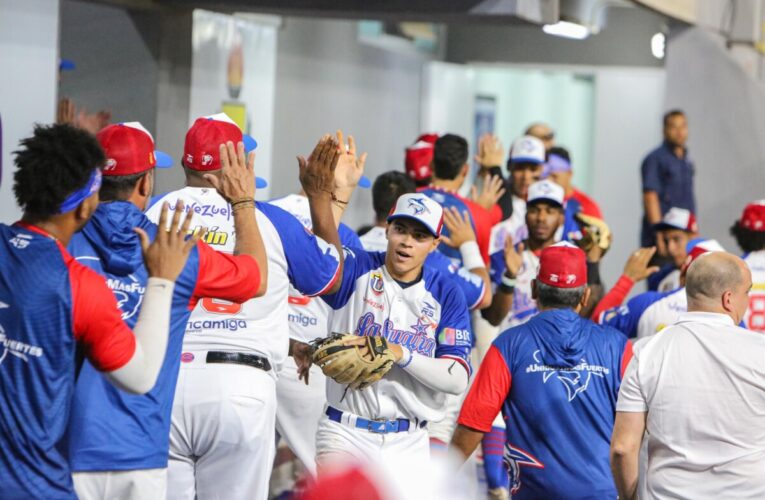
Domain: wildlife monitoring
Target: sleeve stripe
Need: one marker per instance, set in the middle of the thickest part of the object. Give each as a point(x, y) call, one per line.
point(329, 285)
point(480, 298)
point(464, 363)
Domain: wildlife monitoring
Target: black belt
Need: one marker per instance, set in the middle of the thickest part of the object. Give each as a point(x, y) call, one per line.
point(239, 358)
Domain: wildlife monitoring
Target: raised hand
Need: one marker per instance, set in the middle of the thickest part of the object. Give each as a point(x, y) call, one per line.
point(237, 178)
point(350, 167)
point(459, 226)
point(493, 190)
point(317, 173)
point(166, 256)
point(637, 268)
point(513, 257)
point(490, 151)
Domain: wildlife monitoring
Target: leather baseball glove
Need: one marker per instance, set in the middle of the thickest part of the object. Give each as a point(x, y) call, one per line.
point(595, 232)
point(353, 360)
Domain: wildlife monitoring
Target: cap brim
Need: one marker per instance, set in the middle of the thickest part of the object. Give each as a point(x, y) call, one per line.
point(545, 200)
point(250, 144)
point(364, 182)
point(66, 65)
point(260, 183)
point(526, 159)
point(663, 226)
point(411, 217)
point(163, 160)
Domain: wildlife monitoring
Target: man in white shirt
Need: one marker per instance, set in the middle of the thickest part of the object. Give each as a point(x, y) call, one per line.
point(698, 388)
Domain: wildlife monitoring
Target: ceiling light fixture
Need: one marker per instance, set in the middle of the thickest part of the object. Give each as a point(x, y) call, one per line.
point(658, 45)
point(567, 29)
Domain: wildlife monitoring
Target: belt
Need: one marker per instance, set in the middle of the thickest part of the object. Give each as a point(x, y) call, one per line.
point(375, 426)
point(239, 358)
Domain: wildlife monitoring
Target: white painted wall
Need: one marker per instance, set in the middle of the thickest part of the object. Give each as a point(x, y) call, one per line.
point(29, 59)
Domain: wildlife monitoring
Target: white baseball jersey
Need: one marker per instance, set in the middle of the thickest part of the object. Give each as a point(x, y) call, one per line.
point(429, 317)
point(308, 315)
point(647, 313)
point(670, 282)
point(755, 314)
point(295, 256)
point(471, 285)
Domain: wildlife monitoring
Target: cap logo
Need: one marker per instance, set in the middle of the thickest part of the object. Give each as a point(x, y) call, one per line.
point(111, 164)
point(527, 145)
point(152, 161)
point(418, 206)
point(189, 158)
point(207, 159)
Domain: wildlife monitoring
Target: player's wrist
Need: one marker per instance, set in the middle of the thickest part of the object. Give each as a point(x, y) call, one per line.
point(405, 357)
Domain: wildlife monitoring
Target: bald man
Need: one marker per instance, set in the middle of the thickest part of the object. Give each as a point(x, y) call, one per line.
point(698, 388)
point(543, 132)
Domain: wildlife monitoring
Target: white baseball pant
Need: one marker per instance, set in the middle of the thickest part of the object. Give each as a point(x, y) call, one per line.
point(222, 432)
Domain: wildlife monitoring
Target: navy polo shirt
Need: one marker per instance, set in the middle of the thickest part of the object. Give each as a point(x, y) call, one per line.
point(672, 179)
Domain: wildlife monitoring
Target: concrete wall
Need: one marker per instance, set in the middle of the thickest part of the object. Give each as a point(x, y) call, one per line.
point(29, 58)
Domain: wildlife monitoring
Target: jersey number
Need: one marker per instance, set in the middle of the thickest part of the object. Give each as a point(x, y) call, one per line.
point(219, 306)
point(756, 319)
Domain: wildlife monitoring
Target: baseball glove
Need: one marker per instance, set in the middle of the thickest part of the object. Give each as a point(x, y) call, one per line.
point(595, 232)
point(342, 359)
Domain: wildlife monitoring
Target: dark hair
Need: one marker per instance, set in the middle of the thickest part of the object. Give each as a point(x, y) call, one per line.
point(559, 151)
point(53, 163)
point(671, 114)
point(748, 240)
point(559, 298)
point(119, 187)
point(450, 153)
point(386, 190)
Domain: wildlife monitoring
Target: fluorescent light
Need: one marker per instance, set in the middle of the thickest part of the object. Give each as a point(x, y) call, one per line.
point(658, 44)
point(567, 29)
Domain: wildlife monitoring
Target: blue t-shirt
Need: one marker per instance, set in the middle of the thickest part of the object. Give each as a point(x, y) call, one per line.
point(672, 180)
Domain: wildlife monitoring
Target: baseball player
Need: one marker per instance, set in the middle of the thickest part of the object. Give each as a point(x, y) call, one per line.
point(677, 228)
point(450, 168)
point(556, 379)
point(649, 312)
point(301, 403)
point(223, 419)
point(749, 232)
point(425, 321)
point(512, 272)
point(473, 279)
point(51, 304)
point(118, 443)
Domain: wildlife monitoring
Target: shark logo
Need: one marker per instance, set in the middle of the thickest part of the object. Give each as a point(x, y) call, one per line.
point(576, 379)
point(16, 348)
point(514, 458)
point(418, 206)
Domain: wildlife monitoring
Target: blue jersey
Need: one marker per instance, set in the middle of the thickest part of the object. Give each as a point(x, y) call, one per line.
point(48, 303)
point(109, 428)
point(449, 200)
point(556, 379)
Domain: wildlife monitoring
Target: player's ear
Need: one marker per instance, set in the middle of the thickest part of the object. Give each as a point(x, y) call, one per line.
point(434, 246)
point(465, 170)
point(585, 299)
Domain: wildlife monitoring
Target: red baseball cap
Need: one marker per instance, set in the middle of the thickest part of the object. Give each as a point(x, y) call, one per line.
point(129, 149)
point(417, 161)
point(702, 247)
point(563, 265)
point(201, 151)
point(753, 217)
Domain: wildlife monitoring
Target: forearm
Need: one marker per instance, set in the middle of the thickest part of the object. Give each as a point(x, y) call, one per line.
point(151, 332)
point(343, 196)
point(325, 228)
point(500, 306)
point(465, 440)
point(250, 242)
point(596, 289)
point(472, 260)
point(441, 374)
point(652, 207)
point(614, 297)
point(624, 467)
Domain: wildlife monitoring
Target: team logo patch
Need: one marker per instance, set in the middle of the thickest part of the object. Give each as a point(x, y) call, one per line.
point(377, 283)
point(514, 458)
point(418, 206)
point(187, 357)
point(576, 379)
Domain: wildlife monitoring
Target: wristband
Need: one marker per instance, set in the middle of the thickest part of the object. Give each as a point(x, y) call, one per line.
point(508, 281)
point(471, 255)
point(506, 289)
point(407, 356)
point(593, 273)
